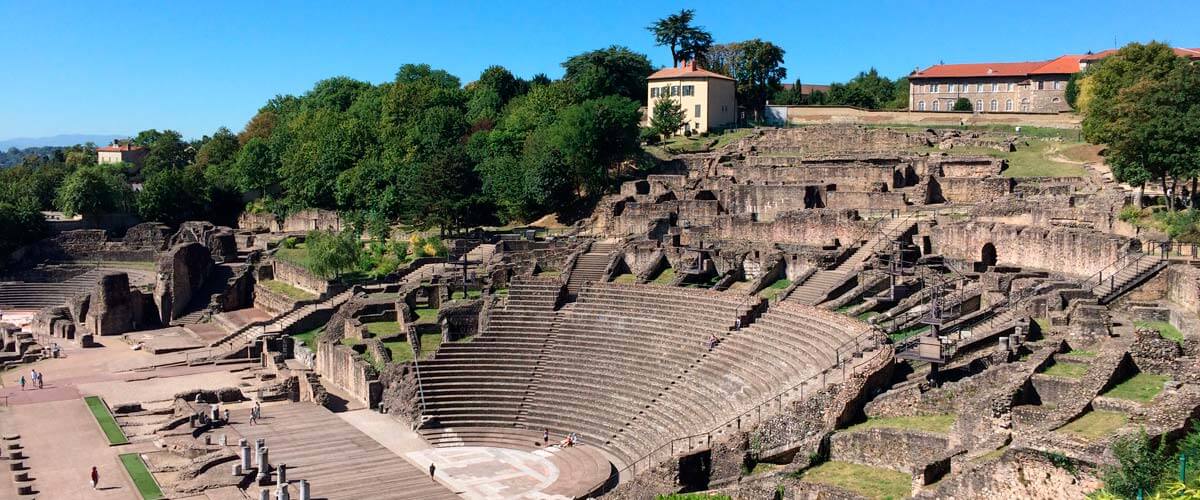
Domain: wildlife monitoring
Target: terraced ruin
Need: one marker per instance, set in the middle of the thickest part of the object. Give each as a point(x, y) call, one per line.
point(824, 311)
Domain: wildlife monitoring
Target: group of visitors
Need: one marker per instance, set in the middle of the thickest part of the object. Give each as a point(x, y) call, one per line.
point(570, 440)
point(712, 341)
point(255, 413)
point(37, 380)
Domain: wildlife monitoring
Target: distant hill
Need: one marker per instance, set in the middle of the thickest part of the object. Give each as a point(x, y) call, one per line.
point(59, 140)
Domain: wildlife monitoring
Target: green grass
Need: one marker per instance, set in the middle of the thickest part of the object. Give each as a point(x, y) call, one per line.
point(287, 290)
point(867, 315)
point(401, 350)
point(625, 278)
point(992, 455)
point(774, 289)
point(665, 277)
point(1082, 353)
point(549, 273)
point(1066, 370)
point(351, 342)
point(760, 468)
point(108, 424)
point(940, 424)
point(426, 315)
point(471, 294)
point(309, 337)
point(1141, 387)
point(429, 344)
point(1167, 330)
point(1043, 324)
point(384, 328)
point(1035, 161)
point(297, 256)
point(912, 331)
point(142, 479)
point(1095, 425)
point(871, 482)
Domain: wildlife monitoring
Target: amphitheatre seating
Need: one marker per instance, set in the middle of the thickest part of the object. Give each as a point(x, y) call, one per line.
point(37, 295)
point(626, 366)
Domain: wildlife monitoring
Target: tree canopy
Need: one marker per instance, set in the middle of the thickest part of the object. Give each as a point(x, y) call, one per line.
point(686, 41)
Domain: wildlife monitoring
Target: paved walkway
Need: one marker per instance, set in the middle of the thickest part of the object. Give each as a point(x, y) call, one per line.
point(337, 460)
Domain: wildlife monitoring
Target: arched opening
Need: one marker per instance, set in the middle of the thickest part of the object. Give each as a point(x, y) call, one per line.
point(987, 256)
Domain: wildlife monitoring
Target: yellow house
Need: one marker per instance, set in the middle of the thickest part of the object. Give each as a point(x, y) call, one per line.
point(708, 99)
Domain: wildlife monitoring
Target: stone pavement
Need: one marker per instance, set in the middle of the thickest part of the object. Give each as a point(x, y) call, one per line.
point(337, 460)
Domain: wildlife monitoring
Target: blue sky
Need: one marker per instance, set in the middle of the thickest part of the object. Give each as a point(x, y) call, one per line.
point(119, 67)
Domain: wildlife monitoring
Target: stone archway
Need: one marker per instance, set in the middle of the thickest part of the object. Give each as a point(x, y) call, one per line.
point(987, 255)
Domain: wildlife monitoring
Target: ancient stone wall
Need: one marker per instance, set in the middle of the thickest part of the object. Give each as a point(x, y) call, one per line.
point(1061, 250)
point(854, 176)
point(272, 302)
point(1026, 474)
point(1183, 287)
point(971, 190)
point(181, 272)
point(808, 227)
point(864, 200)
point(299, 277)
point(768, 201)
point(344, 368)
point(219, 240)
point(111, 305)
point(460, 319)
point(806, 115)
point(903, 450)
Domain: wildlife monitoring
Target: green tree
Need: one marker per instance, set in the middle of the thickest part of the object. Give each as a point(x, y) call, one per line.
point(165, 150)
point(866, 90)
point(330, 254)
point(174, 195)
point(667, 118)
point(758, 69)
point(94, 190)
point(1154, 129)
point(221, 148)
point(1142, 465)
point(962, 104)
point(594, 137)
point(1107, 77)
point(21, 222)
point(899, 94)
point(1072, 92)
point(687, 42)
point(254, 168)
point(612, 71)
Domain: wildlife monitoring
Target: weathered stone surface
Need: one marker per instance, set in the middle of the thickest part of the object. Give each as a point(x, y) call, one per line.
point(219, 240)
point(181, 272)
point(112, 305)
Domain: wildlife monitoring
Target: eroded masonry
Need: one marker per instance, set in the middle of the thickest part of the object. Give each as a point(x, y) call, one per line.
point(741, 321)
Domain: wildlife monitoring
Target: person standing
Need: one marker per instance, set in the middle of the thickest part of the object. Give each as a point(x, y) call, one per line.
point(545, 435)
point(432, 469)
point(95, 477)
point(41, 379)
point(22, 382)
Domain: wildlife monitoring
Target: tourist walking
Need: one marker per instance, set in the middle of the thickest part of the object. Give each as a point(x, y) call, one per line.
point(95, 477)
point(22, 382)
point(41, 379)
point(33, 377)
point(545, 435)
point(432, 469)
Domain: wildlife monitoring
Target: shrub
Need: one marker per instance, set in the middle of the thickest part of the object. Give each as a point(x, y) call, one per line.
point(400, 250)
point(1130, 213)
point(648, 136)
point(289, 242)
point(962, 104)
point(1143, 466)
point(1180, 225)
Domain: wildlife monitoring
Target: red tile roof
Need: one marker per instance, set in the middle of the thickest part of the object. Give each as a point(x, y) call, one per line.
point(121, 148)
point(1064, 65)
point(987, 69)
point(687, 70)
point(1179, 51)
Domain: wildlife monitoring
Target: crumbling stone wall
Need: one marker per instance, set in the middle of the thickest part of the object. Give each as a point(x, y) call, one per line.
point(903, 450)
point(220, 240)
point(972, 190)
point(1019, 473)
point(299, 277)
point(111, 305)
point(808, 227)
point(343, 367)
point(460, 319)
point(1062, 250)
point(181, 272)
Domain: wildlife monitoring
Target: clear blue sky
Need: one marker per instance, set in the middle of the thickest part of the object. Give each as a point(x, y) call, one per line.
point(119, 67)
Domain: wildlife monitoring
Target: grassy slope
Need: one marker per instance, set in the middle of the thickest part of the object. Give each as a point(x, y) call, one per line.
point(873, 482)
point(1141, 387)
point(108, 424)
point(287, 290)
point(1167, 330)
point(1066, 370)
point(1095, 424)
point(930, 423)
point(142, 479)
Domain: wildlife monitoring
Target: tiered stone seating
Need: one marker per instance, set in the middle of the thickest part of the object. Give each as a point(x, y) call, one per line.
point(37, 295)
point(626, 366)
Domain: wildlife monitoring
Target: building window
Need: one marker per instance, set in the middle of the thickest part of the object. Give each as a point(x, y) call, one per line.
point(934, 88)
point(1058, 85)
point(1010, 87)
point(995, 105)
point(1008, 105)
point(920, 105)
point(654, 92)
point(953, 88)
point(689, 90)
point(995, 87)
point(674, 90)
point(979, 105)
point(979, 87)
point(1041, 85)
point(935, 105)
point(697, 111)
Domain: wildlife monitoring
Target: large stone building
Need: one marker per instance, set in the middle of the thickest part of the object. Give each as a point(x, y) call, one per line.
point(120, 153)
point(1013, 87)
point(708, 99)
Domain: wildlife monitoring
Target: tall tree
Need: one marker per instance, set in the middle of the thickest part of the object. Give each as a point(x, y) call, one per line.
point(1107, 77)
point(667, 117)
point(615, 70)
point(94, 190)
point(220, 149)
point(758, 70)
point(165, 150)
point(687, 42)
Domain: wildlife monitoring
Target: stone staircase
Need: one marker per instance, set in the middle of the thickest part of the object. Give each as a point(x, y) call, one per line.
point(252, 332)
point(37, 295)
point(1123, 276)
point(817, 287)
point(590, 267)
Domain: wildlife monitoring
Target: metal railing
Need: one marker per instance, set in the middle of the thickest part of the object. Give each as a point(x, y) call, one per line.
point(842, 355)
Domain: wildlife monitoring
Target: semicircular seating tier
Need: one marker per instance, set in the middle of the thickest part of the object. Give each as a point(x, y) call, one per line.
point(626, 367)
